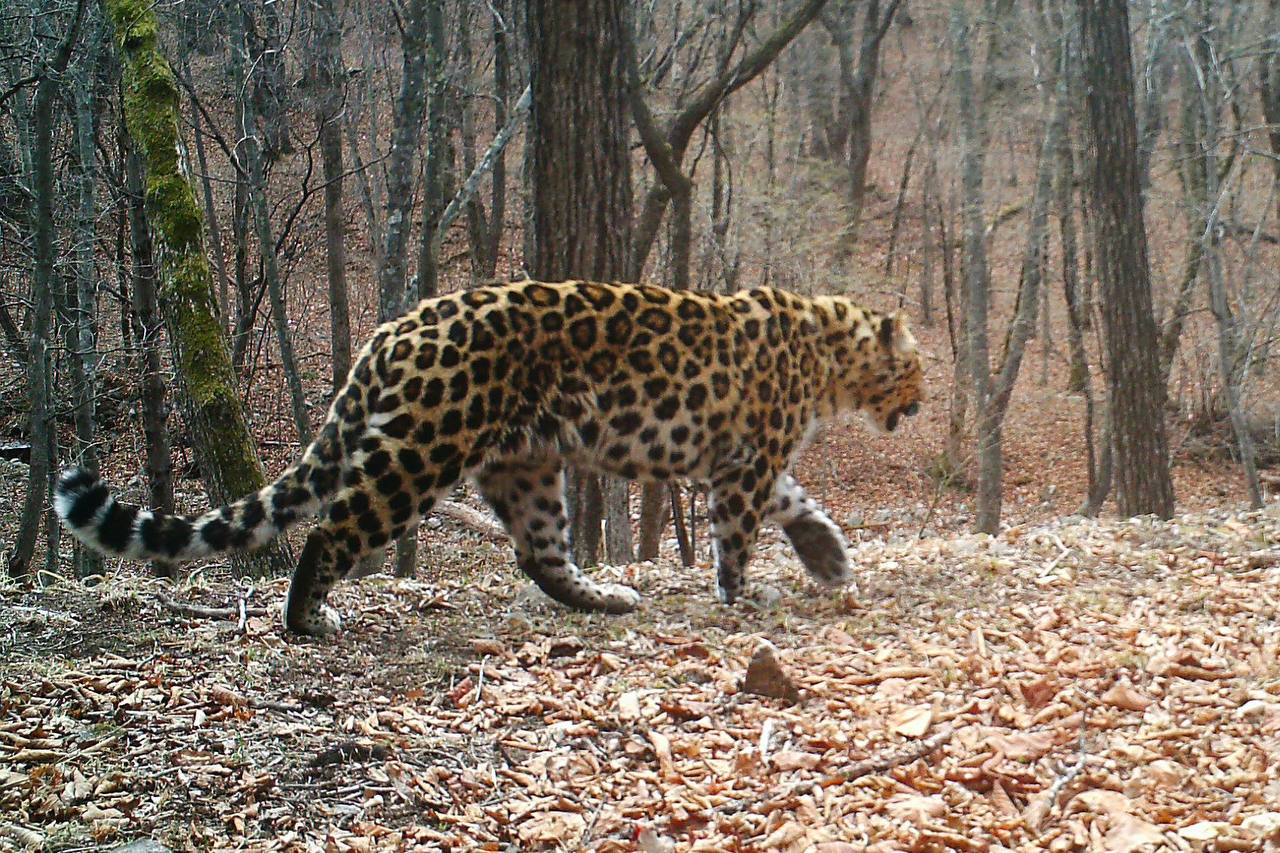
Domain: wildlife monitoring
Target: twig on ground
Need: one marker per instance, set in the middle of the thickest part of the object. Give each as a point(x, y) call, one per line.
point(187, 609)
point(870, 767)
point(23, 836)
point(471, 519)
point(1038, 812)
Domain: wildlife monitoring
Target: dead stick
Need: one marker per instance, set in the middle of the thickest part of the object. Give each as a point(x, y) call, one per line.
point(188, 609)
point(870, 767)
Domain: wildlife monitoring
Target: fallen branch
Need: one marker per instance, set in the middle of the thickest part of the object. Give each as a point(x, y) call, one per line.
point(1036, 814)
point(471, 519)
point(23, 836)
point(870, 767)
point(198, 610)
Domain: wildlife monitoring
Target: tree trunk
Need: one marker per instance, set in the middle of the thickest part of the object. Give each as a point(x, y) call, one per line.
point(1135, 391)
point(210, 210)
point(42, 186)
point(437, 145)
point(1269, 89)
point(327, 74)
point(1230, 365)
point(654, 512)
point(155, 431)
point(502, 91)
point(581, 216)
point(82, 292)
point(675, 135)
point(973, 142)
point(223, 445)
point(857, 94)
point(409, 106)
point(39, 162)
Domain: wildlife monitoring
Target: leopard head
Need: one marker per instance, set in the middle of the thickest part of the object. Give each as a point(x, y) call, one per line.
point(879, 369)
point(894, 385)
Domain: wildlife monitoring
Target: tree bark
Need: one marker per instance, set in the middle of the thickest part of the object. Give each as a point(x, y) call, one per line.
point(1135, 391)
point(1230, 364)
point(437, 147)
point(677, 132)
point(254, 149)
point(857, 93)
point(327, 74)
point(502, 92)
point(223, 445)
point(82, 292)
point(1269, 89)
point(155, 431)
point(42, 186)
point(581, 214)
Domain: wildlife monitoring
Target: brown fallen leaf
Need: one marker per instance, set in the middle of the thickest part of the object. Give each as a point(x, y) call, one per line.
point(629, 705)
point(912, 722)
point(791, 759)
point(915, 809)
point(1131, 834)
point(224, 695)
point(1123, 695)
point(1039, 693)
point(555, 826)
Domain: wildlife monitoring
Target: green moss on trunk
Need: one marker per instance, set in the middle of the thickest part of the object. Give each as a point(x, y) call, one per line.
point(226, 450)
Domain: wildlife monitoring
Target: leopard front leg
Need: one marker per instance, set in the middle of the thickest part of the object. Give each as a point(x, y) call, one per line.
point(528, 497)
point(817, 540)
point(737, 501)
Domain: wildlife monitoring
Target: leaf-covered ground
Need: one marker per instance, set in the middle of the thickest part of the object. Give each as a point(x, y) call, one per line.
point(1076, 685)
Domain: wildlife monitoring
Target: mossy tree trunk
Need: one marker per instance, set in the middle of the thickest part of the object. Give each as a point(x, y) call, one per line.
point(224, 448)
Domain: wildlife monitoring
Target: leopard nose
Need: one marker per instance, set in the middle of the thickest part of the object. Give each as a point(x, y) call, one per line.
point(911, 409)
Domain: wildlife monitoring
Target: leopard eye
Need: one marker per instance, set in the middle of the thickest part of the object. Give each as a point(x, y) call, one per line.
point(911, 409)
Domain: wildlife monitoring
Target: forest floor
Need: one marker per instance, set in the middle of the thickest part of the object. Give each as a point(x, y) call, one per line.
point(1070, 684)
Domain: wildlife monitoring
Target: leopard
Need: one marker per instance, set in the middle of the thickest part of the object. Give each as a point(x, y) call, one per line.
point(508, 384)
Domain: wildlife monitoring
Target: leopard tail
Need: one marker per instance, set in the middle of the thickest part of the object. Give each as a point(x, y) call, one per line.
point(89, 510)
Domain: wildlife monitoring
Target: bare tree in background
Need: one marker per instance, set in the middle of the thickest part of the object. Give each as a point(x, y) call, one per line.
point(850, 128)
point(48, 81)
point(326, 76)
point(1135, 388)
point(401, 167)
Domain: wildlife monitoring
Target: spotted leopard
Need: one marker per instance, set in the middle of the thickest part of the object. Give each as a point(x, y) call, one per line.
point(505, 384)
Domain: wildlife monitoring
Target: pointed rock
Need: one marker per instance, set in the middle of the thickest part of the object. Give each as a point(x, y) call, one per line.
point(765, 676)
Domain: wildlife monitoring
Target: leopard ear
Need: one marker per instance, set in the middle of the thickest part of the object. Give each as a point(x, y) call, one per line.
point(895, 333)
point(888, 330)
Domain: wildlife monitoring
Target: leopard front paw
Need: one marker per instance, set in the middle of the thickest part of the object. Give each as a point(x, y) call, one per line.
point(821, 549)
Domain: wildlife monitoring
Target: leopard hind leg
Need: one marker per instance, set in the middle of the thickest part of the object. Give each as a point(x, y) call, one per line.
point(528, 497)
point(359, 523)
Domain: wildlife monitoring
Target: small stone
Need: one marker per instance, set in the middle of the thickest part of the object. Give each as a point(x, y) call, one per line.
point(1265, 825)
point(765, 676)
point(1255, 709)
point(764, 596)
point(1166, 773)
